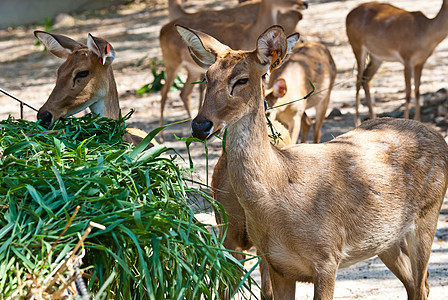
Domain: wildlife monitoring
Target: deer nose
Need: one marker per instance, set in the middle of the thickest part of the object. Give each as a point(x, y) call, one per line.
point(201, 128)
point(46, 118)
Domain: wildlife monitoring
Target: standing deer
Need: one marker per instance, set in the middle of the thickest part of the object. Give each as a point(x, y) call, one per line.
point(246, 12)
point(223, 25)
point(85, 79)
point(313, 208)
point(309, 62)
point(236, 238)
point(389, 33)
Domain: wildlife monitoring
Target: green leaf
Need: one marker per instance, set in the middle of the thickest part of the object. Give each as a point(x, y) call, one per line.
point(26, 261)
point(61, 183)
point(6, 229)
point(145, 142)
point(37, 197)
point(19, 146)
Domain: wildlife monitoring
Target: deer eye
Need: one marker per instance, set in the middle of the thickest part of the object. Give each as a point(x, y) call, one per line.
point(242, 81)
point(239, 82)
point(80, 74)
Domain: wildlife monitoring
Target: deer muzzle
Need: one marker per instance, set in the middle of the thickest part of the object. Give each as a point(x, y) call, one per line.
point(201, 128)
point(45, 117)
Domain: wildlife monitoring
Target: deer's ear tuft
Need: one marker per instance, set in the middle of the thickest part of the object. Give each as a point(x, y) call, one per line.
point(102, 49)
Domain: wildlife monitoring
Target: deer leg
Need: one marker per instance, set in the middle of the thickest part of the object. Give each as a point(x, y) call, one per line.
point(417, 77)
point(321, 111)
point(367, 76)
point(187, 89)
point(407, 81)
point(282, 287)
point(306, 126)
point(360, 61)
point(324, 282)
point(397, 260)
point(295, 130)
point(419, 246)
point(266, 292)
point(296, 121)
point(171, 71)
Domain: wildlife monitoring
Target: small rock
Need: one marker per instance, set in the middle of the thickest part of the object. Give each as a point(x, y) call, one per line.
point(63, 20)
point(335, 113)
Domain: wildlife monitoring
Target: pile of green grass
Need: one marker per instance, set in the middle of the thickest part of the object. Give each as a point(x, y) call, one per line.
point(152, 248)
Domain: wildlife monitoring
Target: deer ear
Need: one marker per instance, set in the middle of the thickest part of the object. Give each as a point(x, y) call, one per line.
point(102, 49)
point(273, 46)
point(203, 48)
point(279, 88)
point(60, 45)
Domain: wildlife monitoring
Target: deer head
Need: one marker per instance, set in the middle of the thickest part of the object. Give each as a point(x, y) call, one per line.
point(84, 79)
point(227, 101)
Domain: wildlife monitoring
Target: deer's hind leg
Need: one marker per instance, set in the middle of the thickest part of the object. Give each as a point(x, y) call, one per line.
point(397, 260)
point(187, 89)
point(419, 246)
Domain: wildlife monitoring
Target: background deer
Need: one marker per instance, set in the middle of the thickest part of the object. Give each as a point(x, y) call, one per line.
point(235, 32)
point(175, 9)
point(309, 62)
point(312, 208)
point(389, 33)
point(85, 80)
point(246, 12)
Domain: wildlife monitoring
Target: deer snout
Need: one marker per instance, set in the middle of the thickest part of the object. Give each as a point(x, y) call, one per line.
point(305, 5)
point(45, 117)
point(201, 128)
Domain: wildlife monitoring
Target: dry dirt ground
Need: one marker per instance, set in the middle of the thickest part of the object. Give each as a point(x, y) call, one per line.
point(133, 30)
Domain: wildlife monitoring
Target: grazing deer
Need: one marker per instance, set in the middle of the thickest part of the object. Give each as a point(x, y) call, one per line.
point(309, 62)
point(389, 33)
point(223, 25)
point(313, 208)
point(85, 79)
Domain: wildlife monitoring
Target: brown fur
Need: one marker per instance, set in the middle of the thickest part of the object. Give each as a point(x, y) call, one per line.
point(390, 33)
point(313, 208)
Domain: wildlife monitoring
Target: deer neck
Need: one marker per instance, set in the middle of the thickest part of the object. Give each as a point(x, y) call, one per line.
point(108, 105)
point(250, 155)
point(438, 27)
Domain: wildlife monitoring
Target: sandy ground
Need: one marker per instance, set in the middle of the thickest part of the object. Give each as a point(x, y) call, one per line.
point(133, 30)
